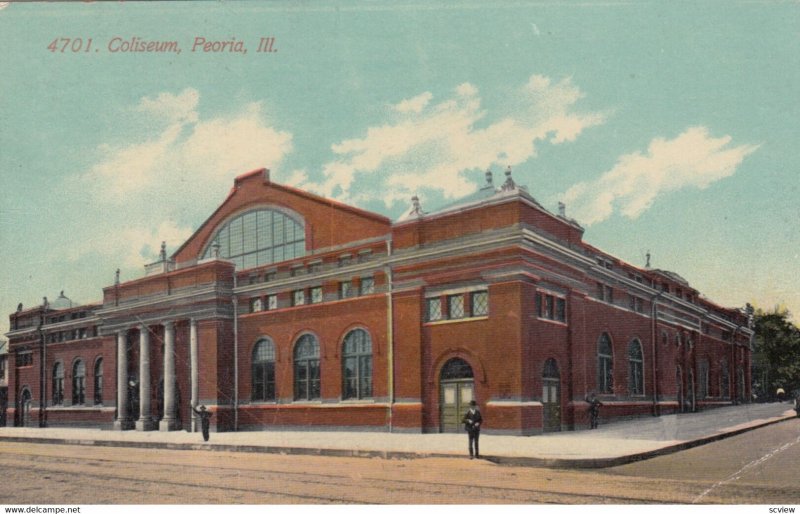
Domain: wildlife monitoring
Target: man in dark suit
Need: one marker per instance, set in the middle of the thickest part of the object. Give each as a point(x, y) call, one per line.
point(472, 424)
point(205, 420)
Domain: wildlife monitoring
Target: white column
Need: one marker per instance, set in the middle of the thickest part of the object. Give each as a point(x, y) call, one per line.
point(122, 422)
point(169, 422)
point(145, 421)
point(195, 372)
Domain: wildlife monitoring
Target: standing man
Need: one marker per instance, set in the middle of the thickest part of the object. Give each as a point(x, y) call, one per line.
point(205, 420)
point(594, 410)
point(472, 424)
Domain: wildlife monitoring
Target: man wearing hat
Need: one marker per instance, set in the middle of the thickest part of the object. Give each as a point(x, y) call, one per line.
point(472, 424)
point(205, 420)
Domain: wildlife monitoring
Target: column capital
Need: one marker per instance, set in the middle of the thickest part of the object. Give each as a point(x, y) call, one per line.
point(168, 324)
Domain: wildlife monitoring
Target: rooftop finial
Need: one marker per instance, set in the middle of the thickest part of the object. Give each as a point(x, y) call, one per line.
point(562, 209)
point(163, 254)
point(489, 178)
point(416, 207)
point(116, 278)
point(647, 264)
point(509, 184)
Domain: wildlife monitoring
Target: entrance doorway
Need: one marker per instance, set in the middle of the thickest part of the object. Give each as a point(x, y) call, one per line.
point(457, 389)
point(25, 402)
point(551, 396)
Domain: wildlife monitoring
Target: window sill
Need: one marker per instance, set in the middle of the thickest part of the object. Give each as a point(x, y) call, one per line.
point(457, 320)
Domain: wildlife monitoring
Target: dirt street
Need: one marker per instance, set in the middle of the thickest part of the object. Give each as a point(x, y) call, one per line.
point(756, 467)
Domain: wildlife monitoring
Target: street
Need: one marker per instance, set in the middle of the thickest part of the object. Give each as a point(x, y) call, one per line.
point(758, 467)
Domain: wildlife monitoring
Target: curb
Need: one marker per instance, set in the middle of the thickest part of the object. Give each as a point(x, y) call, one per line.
point(556, 463)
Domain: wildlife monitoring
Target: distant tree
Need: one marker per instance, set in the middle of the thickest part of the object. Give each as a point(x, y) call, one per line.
point(776, 357)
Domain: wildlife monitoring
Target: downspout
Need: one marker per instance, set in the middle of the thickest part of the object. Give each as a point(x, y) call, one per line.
point(390, 334)
point(654, 346)
point(235, 301)
point(735, 381)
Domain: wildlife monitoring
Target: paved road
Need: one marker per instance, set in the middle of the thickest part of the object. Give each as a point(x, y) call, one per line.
point(756, 467)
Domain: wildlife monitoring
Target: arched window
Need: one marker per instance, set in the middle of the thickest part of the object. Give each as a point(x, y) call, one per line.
point(306, 368)
point(58, 384)
point(263, 387)
point(455, 369)
point(357, 365)
point(78, 383)
point(635, 368)
point(605, 365)
point(259, 237)
point(98, 382)
point(724, 380)
point(702, 378)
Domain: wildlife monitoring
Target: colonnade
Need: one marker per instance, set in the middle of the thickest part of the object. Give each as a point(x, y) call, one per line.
point(145, 420)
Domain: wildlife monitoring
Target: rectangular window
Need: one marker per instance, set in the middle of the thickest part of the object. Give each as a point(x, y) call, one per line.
point(434, 309)
point(270, 275)
point(539, 304)
point(561, 310)
point(255, 305)
point(367, 285)
point(315, 267)
point(455, 306)
point(316, 294)
point(345, 260)
point(345, 289)
point(272, 302)
point(549, 308)
point(298, 297)
point(24, 359)
point(364, 255)
point(480, 303)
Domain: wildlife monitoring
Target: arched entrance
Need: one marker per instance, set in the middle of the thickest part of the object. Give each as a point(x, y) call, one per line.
point(551, 396)
point(25, 401)
point(456, 390)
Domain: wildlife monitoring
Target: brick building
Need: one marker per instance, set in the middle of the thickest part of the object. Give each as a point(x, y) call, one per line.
point(288, 310)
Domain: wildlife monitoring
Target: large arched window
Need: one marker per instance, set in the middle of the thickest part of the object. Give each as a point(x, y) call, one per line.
point(98, 382)
point(702, 378)
point(357, 365)
point(58, 384)
point(635, 368)
point(724, 380)
point(605, 365)
point(263, 371)
point(78, 383)
point(258, 237)
point(456, 369)
point(306, 368)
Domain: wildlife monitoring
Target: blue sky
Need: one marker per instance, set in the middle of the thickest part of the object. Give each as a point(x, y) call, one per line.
point(664, 127)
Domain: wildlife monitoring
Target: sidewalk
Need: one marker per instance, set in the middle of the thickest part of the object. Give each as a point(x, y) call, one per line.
point(610, 445)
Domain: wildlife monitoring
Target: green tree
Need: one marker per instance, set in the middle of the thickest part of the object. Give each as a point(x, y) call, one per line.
point(776, 357)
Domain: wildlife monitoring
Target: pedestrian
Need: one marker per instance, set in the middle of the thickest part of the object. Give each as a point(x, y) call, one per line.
point(472, 424)
point(205, 420)
point(594, 410)
point(780, 393)
point(797, 403)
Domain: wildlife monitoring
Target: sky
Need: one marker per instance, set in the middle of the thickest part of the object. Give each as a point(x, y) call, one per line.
point(668, 128)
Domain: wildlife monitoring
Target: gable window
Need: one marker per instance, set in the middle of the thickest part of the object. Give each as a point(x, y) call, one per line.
point(58, 384)
point(259, 237)
point(605, 365)
point(455, 306)
point(306, 368)
point(263, 377)
point(78, 383)
point(480, 303)
point(367, 285)
point(434, 309)
point(635, 368)
point(357, 365)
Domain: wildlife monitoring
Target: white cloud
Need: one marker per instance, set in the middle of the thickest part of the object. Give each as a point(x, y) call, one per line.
point(692, 159)
point(428, 145)
point(165, 178)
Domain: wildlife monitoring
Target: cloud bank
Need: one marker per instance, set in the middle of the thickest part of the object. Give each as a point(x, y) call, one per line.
point(692, 159)
point(427, 145)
